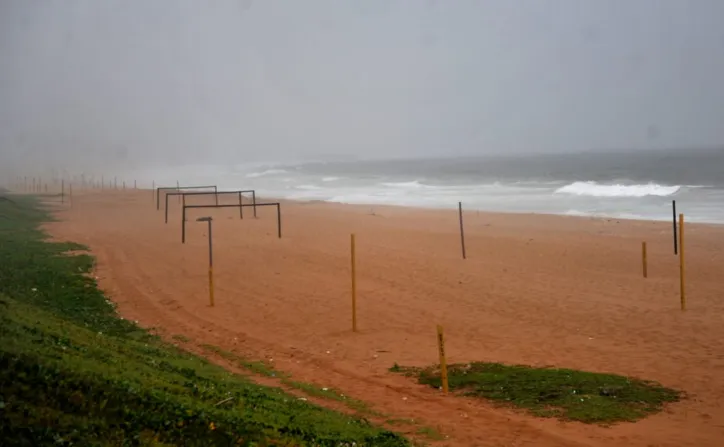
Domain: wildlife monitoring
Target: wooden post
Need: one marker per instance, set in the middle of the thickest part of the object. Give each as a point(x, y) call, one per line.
point(70, 194)
point(279, 221)
point(354, 284)
point(211, 269)
point(443, 360)
point(462, 232)
point(643, 259)
point(681, 262)
point(62, 191)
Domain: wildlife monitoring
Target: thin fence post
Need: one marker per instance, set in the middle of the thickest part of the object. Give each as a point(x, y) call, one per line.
point(462, 232)
point(279, 221)
point(682, 282)
point(253, 201)
point(673, 209)
point(353, 260)
point(183, 224)
point(165, 209)
point(643, 260)
point(443, 358)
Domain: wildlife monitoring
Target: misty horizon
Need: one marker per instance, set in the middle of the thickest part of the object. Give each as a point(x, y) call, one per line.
point(127, 84)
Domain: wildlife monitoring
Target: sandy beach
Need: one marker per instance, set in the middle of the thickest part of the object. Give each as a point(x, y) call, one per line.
point(534, 289)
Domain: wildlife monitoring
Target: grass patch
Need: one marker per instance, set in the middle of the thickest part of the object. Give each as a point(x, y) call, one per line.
point(73, 373)
point(181, 338)
point(550, 392)
point(309, 389)
point(331, 394)
point(431, 433)
point(254, 366)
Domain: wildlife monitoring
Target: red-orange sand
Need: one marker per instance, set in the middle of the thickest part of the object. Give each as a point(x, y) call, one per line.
point(537, 290)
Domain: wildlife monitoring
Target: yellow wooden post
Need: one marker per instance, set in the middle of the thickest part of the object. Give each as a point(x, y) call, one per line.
point(443, 360)
point(681, 262)
point(354, 284)
point(643, 259)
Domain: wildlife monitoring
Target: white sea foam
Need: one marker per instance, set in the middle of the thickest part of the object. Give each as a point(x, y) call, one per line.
point(615, 198)
point(265, 173)
point(594, 189)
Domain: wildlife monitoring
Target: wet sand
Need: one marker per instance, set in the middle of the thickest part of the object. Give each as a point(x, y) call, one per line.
point(537, 290)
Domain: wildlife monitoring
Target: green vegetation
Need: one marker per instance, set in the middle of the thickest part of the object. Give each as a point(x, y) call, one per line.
point(563, 393)
point(181, 338)
point(256, 367)
point(263, 369)
point(73, 373)
point(431, 433)
point(331, 394)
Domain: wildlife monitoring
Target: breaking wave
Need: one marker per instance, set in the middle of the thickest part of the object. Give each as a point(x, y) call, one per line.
point(594, 189)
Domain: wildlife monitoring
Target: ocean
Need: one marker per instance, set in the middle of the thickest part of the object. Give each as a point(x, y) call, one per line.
point(633, 185)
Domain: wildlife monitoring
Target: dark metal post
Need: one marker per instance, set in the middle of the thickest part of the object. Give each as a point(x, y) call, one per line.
point(676, 243)
point(279, 222)
point(216, 194)
point(166, 208)
point(211, 262)
point(158, 198)
point(253, 201)
point(241, 208)
point(183, 225)
point(62, 191)
point(462, 232)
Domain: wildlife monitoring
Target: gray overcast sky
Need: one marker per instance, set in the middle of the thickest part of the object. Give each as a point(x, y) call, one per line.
point(242, 80)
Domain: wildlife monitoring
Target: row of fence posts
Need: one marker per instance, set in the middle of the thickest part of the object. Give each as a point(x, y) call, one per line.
point(678, 237)
point(37, 186)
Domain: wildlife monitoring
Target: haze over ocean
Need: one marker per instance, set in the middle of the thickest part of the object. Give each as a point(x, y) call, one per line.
point(635, 185)
point(475, 100)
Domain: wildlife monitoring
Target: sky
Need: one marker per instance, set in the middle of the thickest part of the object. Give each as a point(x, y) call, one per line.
point(87, 83)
